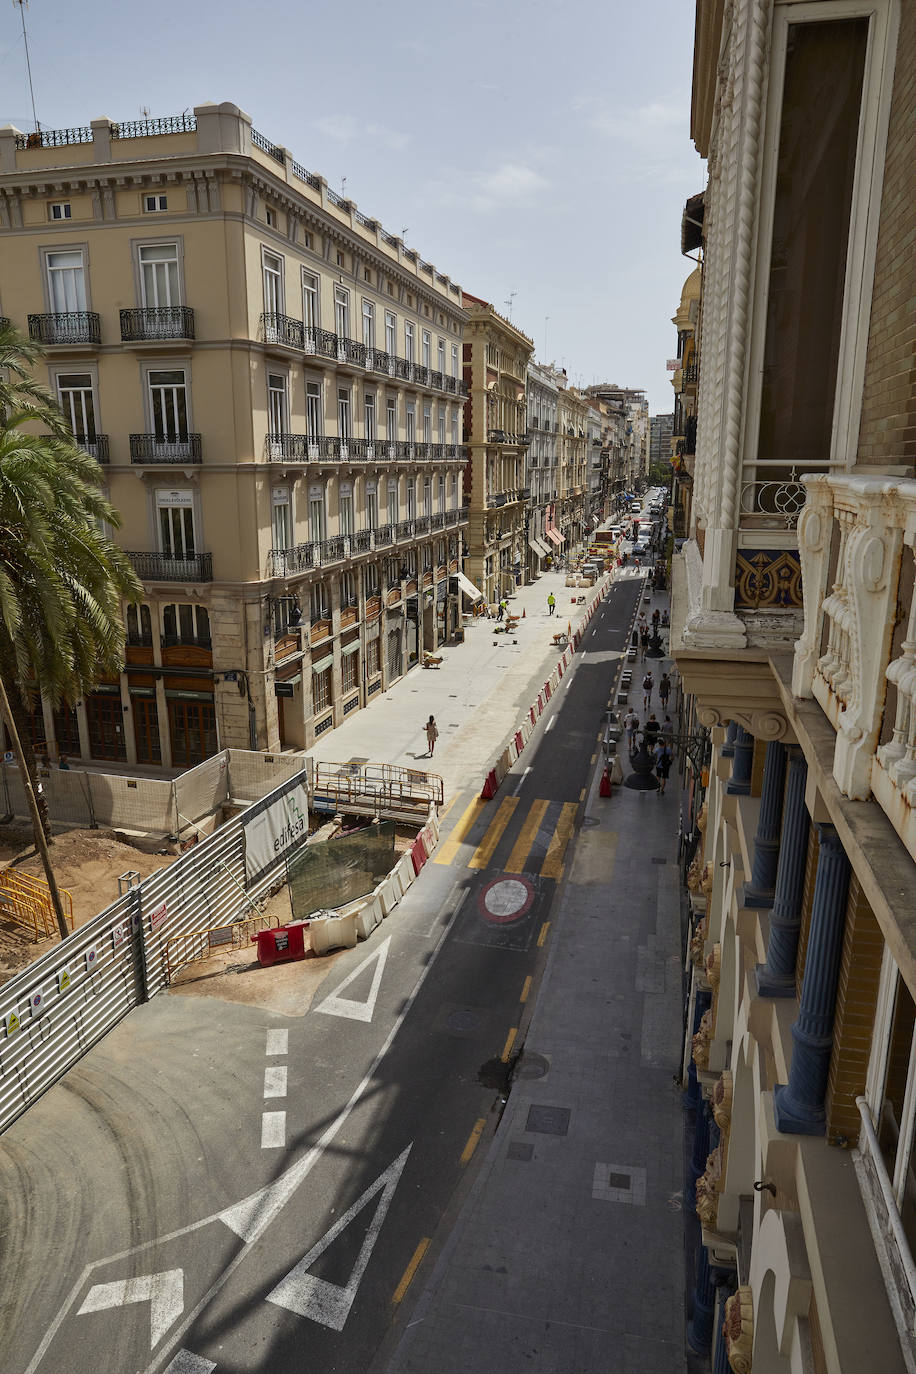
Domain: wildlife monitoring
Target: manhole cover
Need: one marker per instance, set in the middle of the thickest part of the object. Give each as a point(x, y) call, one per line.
point(532, 1066)
point(520, 1149)
point(548, 1120)
point(463, 1020)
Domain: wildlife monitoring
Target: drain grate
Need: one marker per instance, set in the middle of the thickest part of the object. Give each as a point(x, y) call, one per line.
point(520, 1149)
point(548, 1120)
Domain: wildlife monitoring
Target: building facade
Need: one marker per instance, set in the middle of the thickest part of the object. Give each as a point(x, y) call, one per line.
point(684, 381)
point(543, 461)
point(496, 357)
point(793, 630)
point(273, 385)
point(661, 428)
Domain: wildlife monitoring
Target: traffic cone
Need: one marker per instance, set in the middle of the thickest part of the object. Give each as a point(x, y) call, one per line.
point(605, 788)
point(524, 613)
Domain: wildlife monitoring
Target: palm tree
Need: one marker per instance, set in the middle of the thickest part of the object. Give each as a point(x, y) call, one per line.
point(62, 580)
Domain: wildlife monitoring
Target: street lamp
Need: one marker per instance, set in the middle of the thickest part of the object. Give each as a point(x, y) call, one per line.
point(693, 745)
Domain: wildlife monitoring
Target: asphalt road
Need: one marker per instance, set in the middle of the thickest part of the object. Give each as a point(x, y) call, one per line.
point(143, 1227)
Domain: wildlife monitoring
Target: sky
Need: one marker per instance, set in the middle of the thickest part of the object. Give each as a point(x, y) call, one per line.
point(539, 153)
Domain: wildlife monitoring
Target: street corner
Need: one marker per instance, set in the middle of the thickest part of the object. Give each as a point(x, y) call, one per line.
point(504, 910)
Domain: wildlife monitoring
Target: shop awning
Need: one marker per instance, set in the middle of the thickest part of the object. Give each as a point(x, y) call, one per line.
point(323, 664)
point(554, 536)
point(538, 547)
point(467, 586)
point(545, 548)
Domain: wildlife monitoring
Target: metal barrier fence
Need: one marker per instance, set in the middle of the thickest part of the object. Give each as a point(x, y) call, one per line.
point(195, 945)
point(384, 786)
point(27, 900)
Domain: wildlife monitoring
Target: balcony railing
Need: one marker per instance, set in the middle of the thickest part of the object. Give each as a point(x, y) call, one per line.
point(160, 322)
point(162, 567)
point(96, 446)
point(282, 329)
point(169, 448)
point(69, 327)
point(775, 504)
point(406, 529)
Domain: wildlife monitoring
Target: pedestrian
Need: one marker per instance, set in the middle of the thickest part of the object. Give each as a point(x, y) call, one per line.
point(63, 764)
point(666, 620)
point(499, 610)
point(664, 690)
point(551, 604)
point(648, 683)
point(656, 617)
point(651, 731)
point(662, 765)
point(432, 734)
point(667, 727)
point(631, 725)
point(644, 641)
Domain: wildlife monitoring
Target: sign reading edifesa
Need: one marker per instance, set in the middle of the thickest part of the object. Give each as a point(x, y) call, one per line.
point(274, 829)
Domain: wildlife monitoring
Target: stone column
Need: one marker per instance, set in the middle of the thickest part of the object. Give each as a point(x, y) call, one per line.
point(742, 763)
point(727, 1284)
point(760, 891)
point(800, 1103)
point(776, 978)
point(728, 748)
point(699, 1332)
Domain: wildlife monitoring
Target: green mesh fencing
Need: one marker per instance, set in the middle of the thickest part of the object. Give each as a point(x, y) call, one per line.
point(334, 872)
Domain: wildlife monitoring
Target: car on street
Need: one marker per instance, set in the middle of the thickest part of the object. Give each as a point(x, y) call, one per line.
point(640, 549)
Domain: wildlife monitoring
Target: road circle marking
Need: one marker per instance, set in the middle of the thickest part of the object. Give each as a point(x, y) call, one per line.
point(506, 900)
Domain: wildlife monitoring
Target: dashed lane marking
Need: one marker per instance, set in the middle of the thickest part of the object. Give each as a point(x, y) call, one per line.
point(473, 1140)
point(552, 866)
point(507, 1047)
point(411, 1269)
point(273, 1130)
point(277, 1042)
point(526, 988)
point(275, 1080)
point(527, 835)
point(446, 852)
point(542, 937)
point(487, 848)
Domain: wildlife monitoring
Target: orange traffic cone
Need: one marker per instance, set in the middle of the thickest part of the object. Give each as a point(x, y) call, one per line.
point(524, 613)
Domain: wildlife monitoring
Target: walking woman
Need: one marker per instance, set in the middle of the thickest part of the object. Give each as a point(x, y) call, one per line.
point(432, 734)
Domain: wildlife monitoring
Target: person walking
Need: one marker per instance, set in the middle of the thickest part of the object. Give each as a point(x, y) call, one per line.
point(644, 641)
point(662, 765)
point(651, 731)
point(432, 734)
point(631, 725)
point(648, 683)
point(656, 617)
point(551, 604)
point(664, 690)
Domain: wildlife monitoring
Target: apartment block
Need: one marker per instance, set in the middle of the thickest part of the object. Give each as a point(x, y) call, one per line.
point(273, 384)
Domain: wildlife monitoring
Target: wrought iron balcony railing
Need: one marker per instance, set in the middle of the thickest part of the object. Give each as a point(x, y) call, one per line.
point(160, 322)
point(406, 529)
point(96, 446)
point(163, 567)
point(282, 329)
point(69, 327)
point(168, 448)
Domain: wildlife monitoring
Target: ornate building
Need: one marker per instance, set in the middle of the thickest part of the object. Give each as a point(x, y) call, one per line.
point(796, 643)
point(684, 381)
point(543, 461)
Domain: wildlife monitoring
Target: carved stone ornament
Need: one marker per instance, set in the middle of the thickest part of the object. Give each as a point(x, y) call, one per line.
point(708, 1187)
point(701, 1041)
point(738, 1330)
point(706, 880)
point(698, 943)
point(694, 876)
point(703, 818)
point(714, 967)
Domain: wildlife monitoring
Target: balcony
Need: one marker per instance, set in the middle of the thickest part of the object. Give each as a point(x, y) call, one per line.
point(283, 330)
point(171, 448)
point(497, 436)
point(72, 327)
point(96, 446)
point(771, 505)
point(156, 325)
point(162, 567)
point(321, 343)
point(406, 529)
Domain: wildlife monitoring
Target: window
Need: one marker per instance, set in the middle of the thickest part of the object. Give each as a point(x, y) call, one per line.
point(74, 390)
point(411, 498)
point(411, 423)
point(186, 624)
point(427, 423)
point(281, 521)
point(345, 506)
point(427, 496)
point(372, 579)
point(454, 491)
point(271, 217)
point(169, 406)
point(154, 205)
point(392, 419)
point(455, 439)
point(410, 558)
point(371, 506)
point(343, 413)
point(441, 439)
point(393, 501)
point(313, 409)
point(159, 286)
point(349, 590)
point(66, 282)
point(349, 671)
point(307, 239)
point(369, 416)
point(60, 209)
point(272, 271)
point(311, 316)
point(176, 524)
point(342, 312)
point(368, 324)
point(321, 689)
point(316, 514)
point(454, 360)
point(276, 404)
point(427, 347)
point(340, 260)
point(441, 492)
point(409, 337)
point(139, 625)
point(367, 275)
point(391, 333)
point(318, 603)
point(440, 356)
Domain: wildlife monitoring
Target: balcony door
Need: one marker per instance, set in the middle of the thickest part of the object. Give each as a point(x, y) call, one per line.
point(159, 287)
point(176, 524)
point(74, 390)
point(169, 406)
point(66, 283)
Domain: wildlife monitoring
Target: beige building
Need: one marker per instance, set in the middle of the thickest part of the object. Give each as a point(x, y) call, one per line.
point(273, 385)
point(496, 357)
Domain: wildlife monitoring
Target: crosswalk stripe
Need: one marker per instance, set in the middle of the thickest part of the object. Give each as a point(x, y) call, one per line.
point(526, 838)
point(552, 866)
point(447, 851)
point(487, 848)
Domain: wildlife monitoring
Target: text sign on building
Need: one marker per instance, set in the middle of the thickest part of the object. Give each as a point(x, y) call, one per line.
point(275, 827)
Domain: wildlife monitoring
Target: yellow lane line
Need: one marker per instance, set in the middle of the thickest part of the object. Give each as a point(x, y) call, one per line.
point(543, 935)
point(447, 851)
point(507, 1047)
point(582, 794)
point(473, 1138)
point(411, 1269)
point(552, 866)
point(487, 847)
point(593, 757)
point(526, 988)
point(529, 830)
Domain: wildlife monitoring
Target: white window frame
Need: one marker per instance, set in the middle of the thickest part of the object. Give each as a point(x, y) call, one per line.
point(63, 206)
point(410, 340)
point(79, 278)
point(277, 403)
point(69, 409)
point(176, 499)
point(455, 362)
point(344, 413)
point(165, 387)
point(273, 282)
point(311, 306)
point(146, 302)
point(368, 324)
point(342, 311)
point(155, 204)
point(391, 333)
point(281, 525)
point(426, 348)
point(314, 410)
point(318, 514)
point(440, 357)
point(370, 419)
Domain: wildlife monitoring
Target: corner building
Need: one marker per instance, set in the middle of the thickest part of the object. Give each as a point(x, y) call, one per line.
point(273, 385)
point(794, 632)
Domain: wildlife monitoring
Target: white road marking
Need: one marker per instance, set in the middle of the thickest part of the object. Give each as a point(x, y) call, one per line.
point(273, 1130)
point(164, 1292)
point(275, 1080)
point(335, 1005)
point(550, 724)
point(186, 1363)
point(277, 1042)
point(330, 1303)
point(519, 784)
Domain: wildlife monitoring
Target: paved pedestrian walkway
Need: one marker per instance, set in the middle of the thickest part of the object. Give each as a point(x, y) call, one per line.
point(567, 1255)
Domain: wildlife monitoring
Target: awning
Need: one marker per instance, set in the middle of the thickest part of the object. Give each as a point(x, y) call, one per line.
point(323, 664)
point(544, 548)
point(554, 536)
point(692, 223)
point(350, 648)
point(536, 546)
point(467, 586)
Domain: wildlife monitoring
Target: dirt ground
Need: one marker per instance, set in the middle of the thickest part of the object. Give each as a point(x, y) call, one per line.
point(87, 864)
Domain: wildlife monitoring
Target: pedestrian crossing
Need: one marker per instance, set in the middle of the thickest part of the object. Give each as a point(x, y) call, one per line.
point(513, 838)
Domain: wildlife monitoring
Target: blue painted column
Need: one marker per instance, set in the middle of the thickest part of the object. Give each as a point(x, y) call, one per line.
point(728, 748)
point(701, 1148)
point(699, 1332)
point(740, 781)
point(727, 1285)
point(776, 978)
point(761, 890)
point(800, 1103)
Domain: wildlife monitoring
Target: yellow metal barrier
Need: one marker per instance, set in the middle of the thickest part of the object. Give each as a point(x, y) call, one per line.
point(28, 901)
point(194, 945)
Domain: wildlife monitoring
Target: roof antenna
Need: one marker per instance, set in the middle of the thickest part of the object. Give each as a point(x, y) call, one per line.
point(508, 302)
point(23, 6)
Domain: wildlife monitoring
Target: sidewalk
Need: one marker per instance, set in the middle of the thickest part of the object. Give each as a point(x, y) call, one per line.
point(567, 1255)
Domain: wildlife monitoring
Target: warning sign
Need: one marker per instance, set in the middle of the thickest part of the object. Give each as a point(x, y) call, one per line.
point(12, 1023)
point(63, 979)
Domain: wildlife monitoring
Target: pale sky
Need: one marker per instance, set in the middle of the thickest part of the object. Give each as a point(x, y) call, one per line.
point(527, 147)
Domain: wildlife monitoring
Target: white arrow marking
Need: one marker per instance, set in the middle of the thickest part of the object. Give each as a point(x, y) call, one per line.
point(335, 1005)
point(164, 1292)
point(330, 1303)
point(186, 1363)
